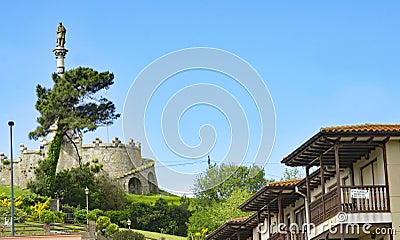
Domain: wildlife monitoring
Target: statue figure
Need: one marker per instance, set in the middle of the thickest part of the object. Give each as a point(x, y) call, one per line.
point(61, 31)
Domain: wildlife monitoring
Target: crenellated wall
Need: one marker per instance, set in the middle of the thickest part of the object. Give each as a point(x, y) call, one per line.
point(123, 162)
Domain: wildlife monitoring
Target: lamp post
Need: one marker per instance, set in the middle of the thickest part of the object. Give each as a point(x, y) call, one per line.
point(11, 124)
point(87, 203)
point(129, 223)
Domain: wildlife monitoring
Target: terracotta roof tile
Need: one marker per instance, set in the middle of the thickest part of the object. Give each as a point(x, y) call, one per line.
point(237, 220)
point(364, 128)
point(285, 182)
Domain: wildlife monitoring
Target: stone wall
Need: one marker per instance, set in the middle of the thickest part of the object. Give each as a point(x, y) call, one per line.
point(123, 162)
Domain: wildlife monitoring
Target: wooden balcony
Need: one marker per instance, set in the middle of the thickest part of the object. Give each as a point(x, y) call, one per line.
point(354, 199)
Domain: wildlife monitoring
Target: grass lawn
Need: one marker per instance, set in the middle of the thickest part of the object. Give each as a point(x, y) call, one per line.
point(17, 191)
point(151, 199)
point(156, 235)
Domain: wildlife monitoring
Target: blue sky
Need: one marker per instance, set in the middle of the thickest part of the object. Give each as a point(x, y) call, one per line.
point(324, 62)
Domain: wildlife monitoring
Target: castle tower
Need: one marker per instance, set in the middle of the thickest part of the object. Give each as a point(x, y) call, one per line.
point(60, 51)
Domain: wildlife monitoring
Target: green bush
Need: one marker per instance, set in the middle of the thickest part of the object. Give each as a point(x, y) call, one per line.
point(102, 222)
point(19, 215)
point(80, 216)
point(92, 216)
point(47, 216)
point(112, 228)
point(128, 235)
point(98, 212)
point(119, 216)
point(68, 209)
point(60, 216)
point(30, 199)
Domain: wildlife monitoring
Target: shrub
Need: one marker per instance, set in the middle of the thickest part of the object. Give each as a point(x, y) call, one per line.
point(47, 217)
point(108, 195)
point(119, 216)
point(92, 216)
point(128, 235)
point(38, 208)
point(60, 216)
point(112, 228)
point(98, 212)
point(19, 215)
point(80, 216)
point(68, 209)
point(30, 199)
point(102, 222)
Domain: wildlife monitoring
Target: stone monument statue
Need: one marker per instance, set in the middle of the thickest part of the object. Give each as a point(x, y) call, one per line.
point(61, 31)
point(60, 51)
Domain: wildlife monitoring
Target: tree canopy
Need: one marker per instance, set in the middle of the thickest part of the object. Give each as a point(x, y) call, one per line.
point(291, 173)
point(74, 103)
point(210, 218)
point(219, 191)
point(218, 182)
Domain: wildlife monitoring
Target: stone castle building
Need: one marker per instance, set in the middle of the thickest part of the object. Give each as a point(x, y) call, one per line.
point(123, 162)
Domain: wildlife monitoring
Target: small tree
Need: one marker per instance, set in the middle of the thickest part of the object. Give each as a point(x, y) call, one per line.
point(48, 217)
point(111, 229)
point(218, 182)
point(102, 222)
point(291, 173)
point(208, 218)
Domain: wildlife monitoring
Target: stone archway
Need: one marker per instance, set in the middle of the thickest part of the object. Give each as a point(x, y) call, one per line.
point(135, 186)
point(152, 183)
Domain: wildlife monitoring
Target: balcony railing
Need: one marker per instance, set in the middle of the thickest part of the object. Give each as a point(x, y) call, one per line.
point(354, 199)
point(324, 207)
point(372, 199)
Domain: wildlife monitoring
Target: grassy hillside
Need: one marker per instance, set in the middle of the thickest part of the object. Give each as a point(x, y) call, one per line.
point(5, 190)
point(151, 199)
point(156, 235)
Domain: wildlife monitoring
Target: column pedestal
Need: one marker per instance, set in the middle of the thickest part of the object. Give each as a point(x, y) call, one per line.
point(60, 56)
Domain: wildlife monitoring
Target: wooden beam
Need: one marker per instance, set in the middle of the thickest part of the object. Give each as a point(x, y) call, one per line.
point(269, 223)
point(308, 182)
point(386, 174)
point(259, 221)
point(338, 189)
point(321, 172)
point(281, 216)
point(308, 192)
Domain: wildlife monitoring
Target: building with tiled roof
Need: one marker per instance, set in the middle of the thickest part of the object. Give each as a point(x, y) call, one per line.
point(350, 190)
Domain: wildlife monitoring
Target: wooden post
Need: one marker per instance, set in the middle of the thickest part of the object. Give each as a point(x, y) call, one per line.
point(269, 222)
point(338, 189)
point(281, 217)
point(308, 192)
point(321, 171)
point(337, 167)
point(259, 221)
point(386, 175)
point(321, 167)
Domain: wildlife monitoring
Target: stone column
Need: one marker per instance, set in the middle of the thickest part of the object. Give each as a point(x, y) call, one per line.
point(60, 53)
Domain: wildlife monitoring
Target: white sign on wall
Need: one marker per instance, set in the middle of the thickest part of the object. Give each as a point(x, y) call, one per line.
point(359, 193)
